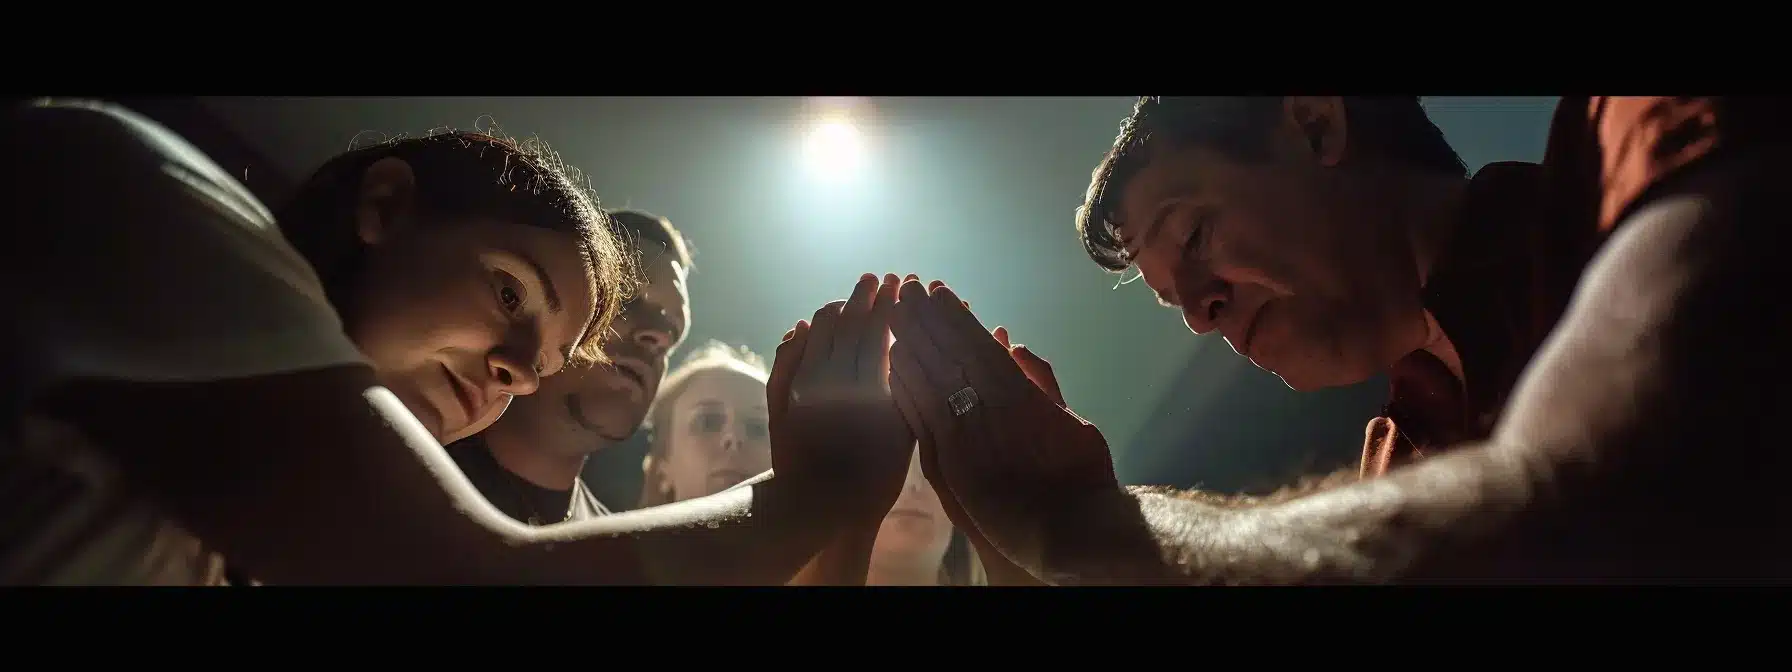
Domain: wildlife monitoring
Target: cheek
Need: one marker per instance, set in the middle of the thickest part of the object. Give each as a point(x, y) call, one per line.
point(404, 320)
point(757, 455)
point(1242, 250)
point(690, 459)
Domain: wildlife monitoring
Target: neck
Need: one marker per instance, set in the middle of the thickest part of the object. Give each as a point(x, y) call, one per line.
point(548, 470)
point(888, 573)
point(1434, 212)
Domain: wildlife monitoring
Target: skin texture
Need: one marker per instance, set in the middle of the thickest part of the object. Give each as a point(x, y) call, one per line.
point(1658, 352)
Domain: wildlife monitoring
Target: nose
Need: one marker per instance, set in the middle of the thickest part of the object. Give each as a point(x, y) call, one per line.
point(913, 486)
point(1204, 301)
point(516, 376)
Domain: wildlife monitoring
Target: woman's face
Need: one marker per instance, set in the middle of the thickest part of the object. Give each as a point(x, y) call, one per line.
point(718, 434)
point(916, 531)
point(459, 316)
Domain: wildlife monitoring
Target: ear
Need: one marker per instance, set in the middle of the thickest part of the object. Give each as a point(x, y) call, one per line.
point(1319, 121)
point(385, 204)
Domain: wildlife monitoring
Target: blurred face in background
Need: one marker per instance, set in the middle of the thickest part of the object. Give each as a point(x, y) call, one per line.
point(916, 532)
point(717, 434)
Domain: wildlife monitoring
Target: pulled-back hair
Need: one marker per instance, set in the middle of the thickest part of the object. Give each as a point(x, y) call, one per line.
point(463, 174)
point(1392, 128)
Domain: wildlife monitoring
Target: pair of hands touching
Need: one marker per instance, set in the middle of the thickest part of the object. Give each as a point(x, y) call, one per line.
point(997, 442)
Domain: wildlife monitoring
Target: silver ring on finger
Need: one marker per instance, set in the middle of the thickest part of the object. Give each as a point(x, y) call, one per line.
point(963, 401)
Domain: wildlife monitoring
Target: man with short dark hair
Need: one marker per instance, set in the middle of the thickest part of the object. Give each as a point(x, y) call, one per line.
point(1561, 339)
point(528, 463)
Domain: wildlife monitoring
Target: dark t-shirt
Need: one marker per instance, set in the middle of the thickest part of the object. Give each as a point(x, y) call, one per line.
point(1529, 232)
point(518, 498)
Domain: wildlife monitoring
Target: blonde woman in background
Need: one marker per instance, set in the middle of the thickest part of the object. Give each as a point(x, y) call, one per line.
point(710, 431)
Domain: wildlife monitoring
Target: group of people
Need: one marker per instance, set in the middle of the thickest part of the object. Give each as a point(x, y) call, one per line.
point(398, 375)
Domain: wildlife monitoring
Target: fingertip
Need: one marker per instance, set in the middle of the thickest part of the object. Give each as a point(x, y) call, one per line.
point(935, 286)
point(912, 278)
point(912, 290)
point(868, 277)
point(891, 279)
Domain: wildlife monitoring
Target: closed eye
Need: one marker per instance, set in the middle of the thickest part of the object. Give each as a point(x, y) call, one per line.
point(1197, 231)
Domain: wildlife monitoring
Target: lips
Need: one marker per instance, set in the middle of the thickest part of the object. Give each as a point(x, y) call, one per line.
point(909, 513)
point(1250, 331)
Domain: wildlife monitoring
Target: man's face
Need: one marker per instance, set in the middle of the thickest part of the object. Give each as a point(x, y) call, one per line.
point(1284, 256)
point(580, 410)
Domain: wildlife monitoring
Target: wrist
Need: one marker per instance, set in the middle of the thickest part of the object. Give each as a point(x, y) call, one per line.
point(1090, 535)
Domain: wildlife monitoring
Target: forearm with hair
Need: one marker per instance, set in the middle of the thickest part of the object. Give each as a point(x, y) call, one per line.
point(1367, 532)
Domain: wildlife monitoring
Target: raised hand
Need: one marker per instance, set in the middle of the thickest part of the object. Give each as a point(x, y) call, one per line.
point(1035, 367)
point(996, 438)
point(836, 432)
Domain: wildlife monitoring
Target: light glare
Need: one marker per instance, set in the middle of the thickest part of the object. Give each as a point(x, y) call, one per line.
point(835, 149)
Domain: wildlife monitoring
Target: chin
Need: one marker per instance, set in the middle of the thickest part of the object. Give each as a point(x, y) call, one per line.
point(619, 427)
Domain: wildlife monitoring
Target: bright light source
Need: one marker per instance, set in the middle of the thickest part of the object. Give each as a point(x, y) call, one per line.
point(835, 149)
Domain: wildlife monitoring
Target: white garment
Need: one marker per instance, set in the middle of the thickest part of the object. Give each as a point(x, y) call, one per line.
point(131, 256)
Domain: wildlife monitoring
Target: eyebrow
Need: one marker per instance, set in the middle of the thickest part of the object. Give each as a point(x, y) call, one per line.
point(1159, 216)
point(1157, 219)
point(712, 403)
point(549, 295)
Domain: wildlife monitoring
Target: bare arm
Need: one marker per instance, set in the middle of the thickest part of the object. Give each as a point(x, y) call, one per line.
point(343, 486)
point(1668, 355)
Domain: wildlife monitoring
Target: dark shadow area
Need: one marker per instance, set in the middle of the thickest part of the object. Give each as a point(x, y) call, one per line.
point(1226, 426)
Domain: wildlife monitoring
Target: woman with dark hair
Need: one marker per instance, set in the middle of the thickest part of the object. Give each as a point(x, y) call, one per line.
point(710, 431)
point(185, 369)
